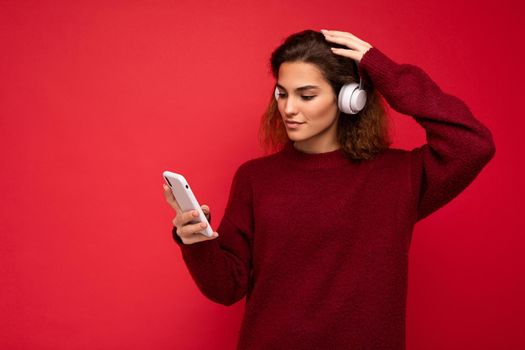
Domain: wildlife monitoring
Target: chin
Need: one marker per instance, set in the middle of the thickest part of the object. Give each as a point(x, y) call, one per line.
point(295, 137)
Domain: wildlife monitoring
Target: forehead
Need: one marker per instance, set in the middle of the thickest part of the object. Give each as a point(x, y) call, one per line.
point(295, 74)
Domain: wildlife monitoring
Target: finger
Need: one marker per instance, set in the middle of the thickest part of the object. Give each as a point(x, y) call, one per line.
point(168, 194)
point(356, 56)
point(351, 43)
point(189, 237)
point(170, 198)
point(206, 212)
point(189, 215)
point(191, 229)
point(340, 34)
point(335, 34)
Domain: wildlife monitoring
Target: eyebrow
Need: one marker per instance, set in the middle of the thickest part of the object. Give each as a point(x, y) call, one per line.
point(302, 88)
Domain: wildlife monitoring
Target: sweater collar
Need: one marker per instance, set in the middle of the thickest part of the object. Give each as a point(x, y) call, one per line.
point(332, 159)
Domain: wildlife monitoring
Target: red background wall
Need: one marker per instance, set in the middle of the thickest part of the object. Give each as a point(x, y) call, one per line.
point(98, 98)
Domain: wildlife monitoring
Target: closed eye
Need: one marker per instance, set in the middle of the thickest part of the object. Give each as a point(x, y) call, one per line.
point(306, 98)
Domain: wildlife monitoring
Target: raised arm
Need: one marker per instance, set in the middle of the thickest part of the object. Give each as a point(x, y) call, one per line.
point(458, 145)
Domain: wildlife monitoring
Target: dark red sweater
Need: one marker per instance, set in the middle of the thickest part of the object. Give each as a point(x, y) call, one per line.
point(319, 244)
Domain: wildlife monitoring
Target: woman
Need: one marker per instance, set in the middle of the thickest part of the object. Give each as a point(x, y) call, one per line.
point(317, 234)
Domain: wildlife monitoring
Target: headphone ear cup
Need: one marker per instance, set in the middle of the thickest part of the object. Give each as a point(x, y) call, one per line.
point(351, 98)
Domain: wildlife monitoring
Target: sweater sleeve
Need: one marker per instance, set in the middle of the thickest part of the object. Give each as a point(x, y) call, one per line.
point(221, 267)
point(458, 145)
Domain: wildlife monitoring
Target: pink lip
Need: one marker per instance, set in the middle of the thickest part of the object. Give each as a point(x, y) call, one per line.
point(293, 125)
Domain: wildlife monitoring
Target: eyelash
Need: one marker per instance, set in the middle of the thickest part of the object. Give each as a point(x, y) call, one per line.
point(306, 98)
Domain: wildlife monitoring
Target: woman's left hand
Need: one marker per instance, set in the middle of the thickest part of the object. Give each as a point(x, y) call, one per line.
point(357, 46)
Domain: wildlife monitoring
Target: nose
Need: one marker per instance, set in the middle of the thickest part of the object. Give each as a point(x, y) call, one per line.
point(289, 106)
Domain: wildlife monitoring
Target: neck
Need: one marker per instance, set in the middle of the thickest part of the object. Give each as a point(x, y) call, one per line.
point(316, 148)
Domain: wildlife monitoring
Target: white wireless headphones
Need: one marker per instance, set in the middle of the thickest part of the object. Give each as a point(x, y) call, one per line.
point(351, 100)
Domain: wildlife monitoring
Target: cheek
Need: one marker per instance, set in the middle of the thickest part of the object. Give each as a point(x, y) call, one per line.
point(324, 111)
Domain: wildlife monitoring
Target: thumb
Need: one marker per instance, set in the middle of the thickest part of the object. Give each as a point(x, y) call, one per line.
point(206, 211)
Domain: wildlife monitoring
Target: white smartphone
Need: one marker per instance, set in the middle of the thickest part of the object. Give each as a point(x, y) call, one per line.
point(186, 199)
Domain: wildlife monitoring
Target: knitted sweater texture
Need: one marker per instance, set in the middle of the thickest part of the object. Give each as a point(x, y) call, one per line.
point(318, 243)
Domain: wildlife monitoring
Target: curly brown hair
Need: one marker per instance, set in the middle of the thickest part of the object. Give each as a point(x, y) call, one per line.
point(362, 135)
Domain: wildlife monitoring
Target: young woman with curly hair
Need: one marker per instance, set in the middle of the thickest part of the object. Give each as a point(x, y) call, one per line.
point(316, 234)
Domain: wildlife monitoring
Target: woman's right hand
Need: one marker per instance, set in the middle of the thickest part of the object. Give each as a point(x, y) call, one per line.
point(185, 230)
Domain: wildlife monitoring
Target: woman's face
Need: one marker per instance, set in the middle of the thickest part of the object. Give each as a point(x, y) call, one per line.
point(307, 98)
